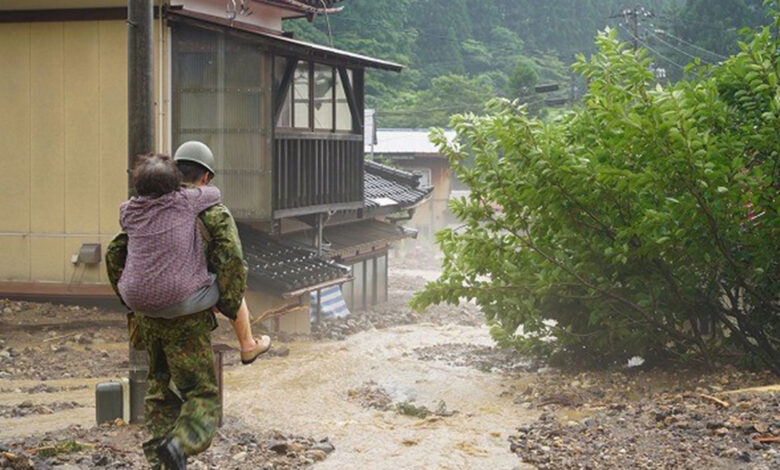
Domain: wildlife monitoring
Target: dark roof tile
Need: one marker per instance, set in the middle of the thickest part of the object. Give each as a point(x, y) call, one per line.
point(280, 268)
point(382, 181)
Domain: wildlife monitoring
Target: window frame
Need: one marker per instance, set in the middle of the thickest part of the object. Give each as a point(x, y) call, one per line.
point(290, 99)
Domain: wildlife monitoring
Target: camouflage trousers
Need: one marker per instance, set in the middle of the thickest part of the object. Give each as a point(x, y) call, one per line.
point(183, 397)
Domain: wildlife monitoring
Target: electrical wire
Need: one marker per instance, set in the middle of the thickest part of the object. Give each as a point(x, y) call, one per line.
point(425, 111)
point(681, 51)
point(690, 44)
point(646, 46)
point(327, 21)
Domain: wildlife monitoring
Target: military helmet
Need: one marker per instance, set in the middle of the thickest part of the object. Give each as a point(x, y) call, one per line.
point(198, 152)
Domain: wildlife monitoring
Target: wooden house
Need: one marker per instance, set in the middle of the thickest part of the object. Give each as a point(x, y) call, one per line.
point(283, 117)
point(413, 151)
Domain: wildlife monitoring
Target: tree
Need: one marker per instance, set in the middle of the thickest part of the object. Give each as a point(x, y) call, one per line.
point(715, 24)
point(628, 225)
point(523, 79)
point(448, 94)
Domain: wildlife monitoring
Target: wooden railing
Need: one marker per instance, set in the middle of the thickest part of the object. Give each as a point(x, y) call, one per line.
point(317, 172)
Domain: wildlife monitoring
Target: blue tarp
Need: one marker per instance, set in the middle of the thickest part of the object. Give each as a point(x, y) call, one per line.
point(332, 305)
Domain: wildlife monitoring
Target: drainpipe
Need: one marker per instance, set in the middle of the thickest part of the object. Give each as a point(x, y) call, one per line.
point(320, 219)
point(140, 140)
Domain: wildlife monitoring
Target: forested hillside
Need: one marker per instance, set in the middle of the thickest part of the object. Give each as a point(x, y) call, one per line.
point(461, 53)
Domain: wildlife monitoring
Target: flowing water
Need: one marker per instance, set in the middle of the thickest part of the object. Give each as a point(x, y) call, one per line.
point(307, 393)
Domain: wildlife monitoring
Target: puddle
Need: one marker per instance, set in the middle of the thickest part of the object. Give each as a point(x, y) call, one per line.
point(307, 392)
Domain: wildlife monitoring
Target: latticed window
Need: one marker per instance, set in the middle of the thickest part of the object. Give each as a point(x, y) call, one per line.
point(316, 99)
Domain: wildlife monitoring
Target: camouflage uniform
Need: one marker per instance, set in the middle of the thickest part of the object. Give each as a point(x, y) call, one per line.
point(179, 349)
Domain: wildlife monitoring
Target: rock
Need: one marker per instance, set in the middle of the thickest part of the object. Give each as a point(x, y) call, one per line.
point(316, 455)
point(280, 447)
point(721, 431)
point(731, 452)
point(280, 351)
point(26, 404)
point(240, 457)
point(326, 447)
point(761, 427)
point(100, 460)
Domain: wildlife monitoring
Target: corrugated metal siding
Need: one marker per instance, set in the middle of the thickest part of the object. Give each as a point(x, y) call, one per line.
point(64, 134)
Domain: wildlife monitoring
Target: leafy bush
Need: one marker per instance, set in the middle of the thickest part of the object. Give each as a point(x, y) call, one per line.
point(643, 222)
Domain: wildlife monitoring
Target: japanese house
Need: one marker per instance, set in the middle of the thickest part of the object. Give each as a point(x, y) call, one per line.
point(283, 117)
point(412, 150)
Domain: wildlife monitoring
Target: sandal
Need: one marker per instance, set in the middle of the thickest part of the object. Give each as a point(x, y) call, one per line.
point(262, 345)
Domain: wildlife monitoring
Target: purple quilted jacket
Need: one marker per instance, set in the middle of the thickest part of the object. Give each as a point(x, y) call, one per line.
point(165, 260)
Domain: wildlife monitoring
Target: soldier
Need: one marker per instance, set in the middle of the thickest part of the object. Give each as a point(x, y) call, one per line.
point(179, 349)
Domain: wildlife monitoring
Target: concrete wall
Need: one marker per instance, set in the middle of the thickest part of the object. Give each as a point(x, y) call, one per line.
point(432, 216)
point(63, 129)
point(369, 286)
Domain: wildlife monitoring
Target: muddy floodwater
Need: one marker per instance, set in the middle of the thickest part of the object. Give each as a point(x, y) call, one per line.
point(308, 391)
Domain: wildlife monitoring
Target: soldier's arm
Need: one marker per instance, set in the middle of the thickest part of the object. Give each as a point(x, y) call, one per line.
point(116, 255)
point(225, 258)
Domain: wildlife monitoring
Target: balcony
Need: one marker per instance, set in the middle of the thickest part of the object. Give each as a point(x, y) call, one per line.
point(315, 172)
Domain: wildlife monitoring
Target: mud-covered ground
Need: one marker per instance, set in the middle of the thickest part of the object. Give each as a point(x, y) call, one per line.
point(651, 420)
point(51, 356)
point(117, 445)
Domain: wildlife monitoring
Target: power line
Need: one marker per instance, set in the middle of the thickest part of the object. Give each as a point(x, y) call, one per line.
point(635, 16)
point(424, 111)
point(690, 44)
point(646, 46)
point(327, 21)
point(677, 48)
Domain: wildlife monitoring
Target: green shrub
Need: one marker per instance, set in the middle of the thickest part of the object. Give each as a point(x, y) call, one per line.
point(630, 220)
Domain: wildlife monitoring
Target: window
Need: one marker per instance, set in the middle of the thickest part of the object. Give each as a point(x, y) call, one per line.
point(315, 100)
point(343, 114)
point(301, 97)
point(323, 97)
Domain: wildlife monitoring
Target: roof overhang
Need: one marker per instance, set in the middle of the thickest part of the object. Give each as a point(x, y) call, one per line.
point(301, 7)
point(279, 43)
point(350, 241)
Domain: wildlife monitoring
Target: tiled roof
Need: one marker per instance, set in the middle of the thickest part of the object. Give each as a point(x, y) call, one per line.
point(391, 142)
point(281, 269)
point(384, 185)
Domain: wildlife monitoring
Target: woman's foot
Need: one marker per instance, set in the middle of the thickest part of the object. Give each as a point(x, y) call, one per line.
point(262, 344)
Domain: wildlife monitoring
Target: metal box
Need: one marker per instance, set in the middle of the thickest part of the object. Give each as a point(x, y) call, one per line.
point(90, 253)
point(112, 401)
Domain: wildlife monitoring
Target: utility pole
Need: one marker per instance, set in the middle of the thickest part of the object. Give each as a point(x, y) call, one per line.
point(633, 17)
point(140, 140)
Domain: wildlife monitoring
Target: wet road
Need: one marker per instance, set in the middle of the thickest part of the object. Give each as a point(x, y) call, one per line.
point(307, 393)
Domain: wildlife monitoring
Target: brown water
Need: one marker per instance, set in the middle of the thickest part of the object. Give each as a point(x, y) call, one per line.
point(307, 393)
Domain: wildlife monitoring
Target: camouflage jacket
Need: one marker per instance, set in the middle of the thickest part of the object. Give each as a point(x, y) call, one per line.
point(224, 256)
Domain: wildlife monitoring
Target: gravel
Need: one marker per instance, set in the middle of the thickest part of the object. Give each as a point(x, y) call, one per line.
point(118, 445)
point(650, 419)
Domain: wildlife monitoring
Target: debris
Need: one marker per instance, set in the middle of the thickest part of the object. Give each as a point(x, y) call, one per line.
point(326, 447)
point(635, 361)
point(709, 398)
point(316, 455)
point(408, 408)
